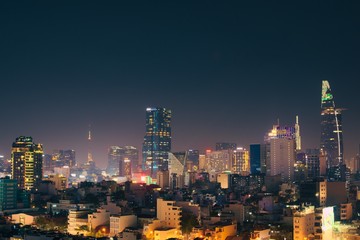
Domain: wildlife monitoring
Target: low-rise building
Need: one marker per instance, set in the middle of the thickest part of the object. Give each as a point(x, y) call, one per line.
point(120, 222)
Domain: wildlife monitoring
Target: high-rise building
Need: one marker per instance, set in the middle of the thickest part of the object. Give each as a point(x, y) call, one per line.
point(280, 152)
point(157, 140)
point(240, 161)
point(125, 168)
point(8, 193)
point(282, 158)
point(218, 161)
point(312, 158)
point(26, 159)
point(331, 128)
point(122, 160)
point(225, 146)
point(255, 158)
point(114, 157)
point(62, 158)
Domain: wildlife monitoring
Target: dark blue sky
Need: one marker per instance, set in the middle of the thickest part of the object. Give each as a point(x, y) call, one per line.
point(227, 70)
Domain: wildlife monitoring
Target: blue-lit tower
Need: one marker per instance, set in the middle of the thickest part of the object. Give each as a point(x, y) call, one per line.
point(157, 140)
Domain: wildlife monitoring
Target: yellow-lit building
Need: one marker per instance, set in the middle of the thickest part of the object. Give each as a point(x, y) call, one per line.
point(260, 234)
point(26, 163)
point(166, 233)
point(346, 212)
point(60, 181)
point(304, 223)
point(168, 212)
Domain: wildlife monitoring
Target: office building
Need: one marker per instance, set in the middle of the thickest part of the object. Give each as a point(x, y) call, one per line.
point(255, 158)
point(62, 158)
point(8, 193)
point(331, 141)
point(26, 159)
point(282, 158)
point(122, 160)
point(312, 158)
point(157, 140)
point(218, 161)
point(240, 161)
point(193, 155)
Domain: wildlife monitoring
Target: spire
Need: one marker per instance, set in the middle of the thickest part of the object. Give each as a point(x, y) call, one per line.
point(297, 134)
point(90, 158)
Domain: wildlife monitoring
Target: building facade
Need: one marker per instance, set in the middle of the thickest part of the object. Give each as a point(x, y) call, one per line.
point(331, 141)
point(8, 193)
point(26, 159)
point(157, 140)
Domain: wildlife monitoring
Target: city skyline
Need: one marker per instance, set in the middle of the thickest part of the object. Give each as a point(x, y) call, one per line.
point(227, 72)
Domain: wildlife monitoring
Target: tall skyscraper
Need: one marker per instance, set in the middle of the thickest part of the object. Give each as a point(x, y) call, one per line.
point(331, 128)
point(280, 158)
point(26, 159)
point(157, 140)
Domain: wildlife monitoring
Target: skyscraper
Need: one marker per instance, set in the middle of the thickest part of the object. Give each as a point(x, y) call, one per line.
point(331, 128)
point(157, 140)
point(26, 162)
point(240, 161)
point(280, 156)
point(116, 160)
point(255, 158)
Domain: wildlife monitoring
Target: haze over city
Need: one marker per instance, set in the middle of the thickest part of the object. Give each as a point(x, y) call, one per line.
point(227, 71)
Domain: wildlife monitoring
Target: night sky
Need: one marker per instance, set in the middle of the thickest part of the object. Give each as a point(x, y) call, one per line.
point(227, 70)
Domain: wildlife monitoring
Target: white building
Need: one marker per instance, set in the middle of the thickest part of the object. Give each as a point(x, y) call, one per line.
point(282, 158)
point(168, 212)
point(119, 222)
point(98, 218)
point(78, 222)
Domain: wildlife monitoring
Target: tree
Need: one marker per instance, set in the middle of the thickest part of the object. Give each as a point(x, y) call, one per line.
point(188, 221)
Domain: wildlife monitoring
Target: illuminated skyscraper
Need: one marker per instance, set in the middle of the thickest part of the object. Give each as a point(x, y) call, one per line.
point(157, 140)
point(331, 128)
point(26, 162)
point(280, 155)
point(240, 161)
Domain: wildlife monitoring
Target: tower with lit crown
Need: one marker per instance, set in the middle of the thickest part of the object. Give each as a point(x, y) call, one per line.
point(331, 128)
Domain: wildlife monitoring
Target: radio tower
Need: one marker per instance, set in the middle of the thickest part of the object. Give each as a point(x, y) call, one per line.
point(90, 157)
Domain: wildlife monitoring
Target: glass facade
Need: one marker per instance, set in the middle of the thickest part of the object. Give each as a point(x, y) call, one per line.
point(331, 128)
point(157, 140)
